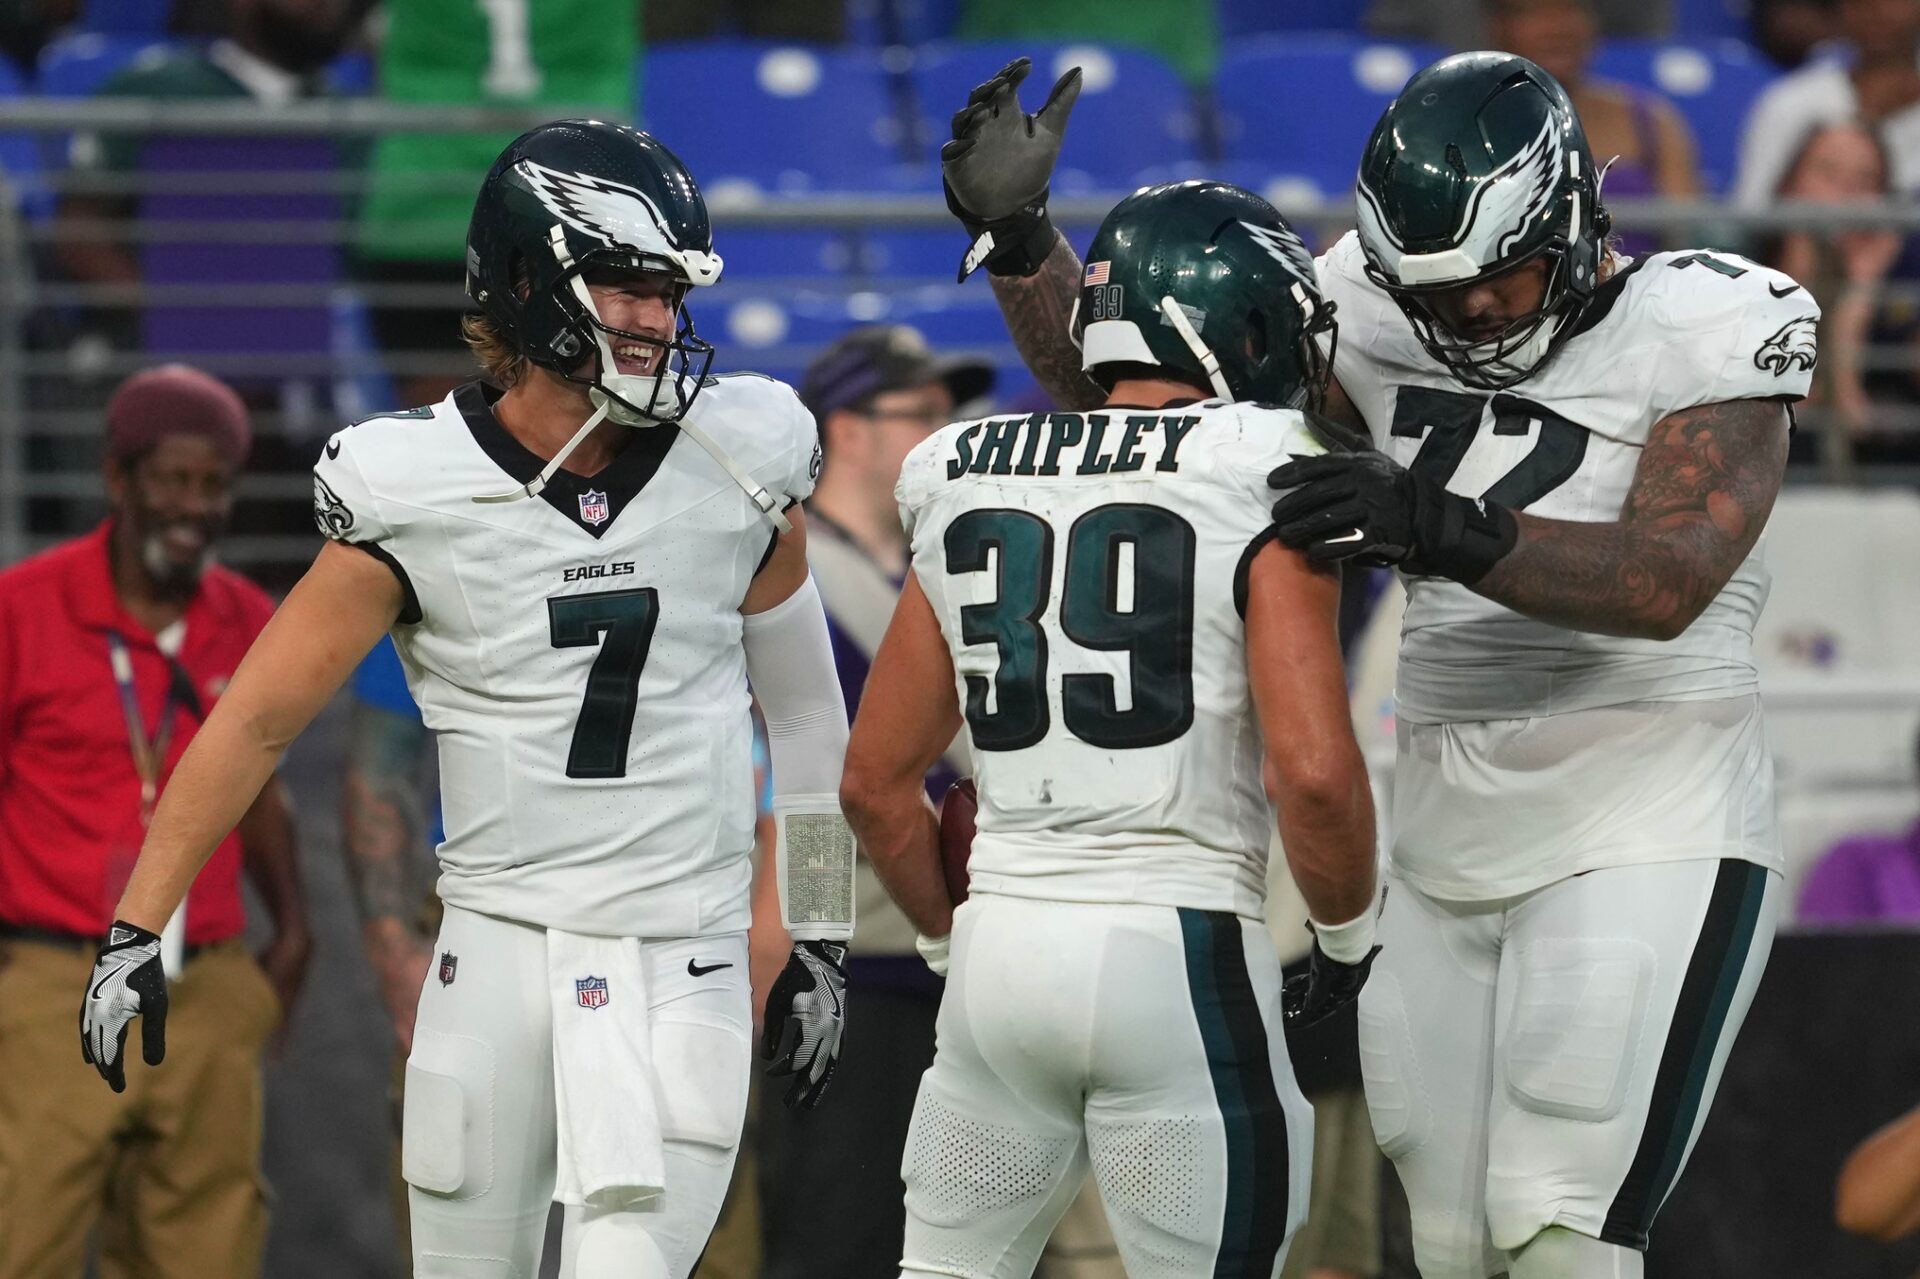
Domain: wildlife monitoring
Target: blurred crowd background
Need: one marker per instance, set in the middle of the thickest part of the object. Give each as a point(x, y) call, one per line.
point(276, 192)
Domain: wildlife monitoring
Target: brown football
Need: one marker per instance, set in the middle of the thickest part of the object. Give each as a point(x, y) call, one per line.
point(957, 812)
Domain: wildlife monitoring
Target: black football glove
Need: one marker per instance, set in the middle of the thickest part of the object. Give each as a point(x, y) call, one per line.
point(1323, 990)
point(1366, 507)
point(127, 982)
point(997, 169)
point(805, 1020)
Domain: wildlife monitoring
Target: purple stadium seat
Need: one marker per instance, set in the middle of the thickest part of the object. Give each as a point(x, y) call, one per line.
point(241, 193)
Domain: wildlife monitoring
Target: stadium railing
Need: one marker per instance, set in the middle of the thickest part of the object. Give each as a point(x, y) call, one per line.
point(54, 369)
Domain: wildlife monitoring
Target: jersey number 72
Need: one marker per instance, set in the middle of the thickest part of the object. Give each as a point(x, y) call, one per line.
point(1127, 587)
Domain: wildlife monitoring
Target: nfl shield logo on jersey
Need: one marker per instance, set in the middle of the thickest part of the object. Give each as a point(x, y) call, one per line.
point(448, 962)
point(593, 507)
point(591, 991)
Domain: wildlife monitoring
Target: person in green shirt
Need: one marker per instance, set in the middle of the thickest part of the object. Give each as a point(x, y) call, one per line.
point(576, 54)
point(1185, 33)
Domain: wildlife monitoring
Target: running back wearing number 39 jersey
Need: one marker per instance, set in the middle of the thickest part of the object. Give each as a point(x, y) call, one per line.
point(1096, 563)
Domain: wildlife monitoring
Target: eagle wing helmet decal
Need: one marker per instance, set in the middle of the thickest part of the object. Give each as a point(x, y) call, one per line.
point(614, 212)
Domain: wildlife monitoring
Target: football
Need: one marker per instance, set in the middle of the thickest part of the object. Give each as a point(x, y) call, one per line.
point(957, 812)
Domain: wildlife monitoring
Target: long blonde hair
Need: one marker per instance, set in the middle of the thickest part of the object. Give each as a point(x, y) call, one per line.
point(504, 365)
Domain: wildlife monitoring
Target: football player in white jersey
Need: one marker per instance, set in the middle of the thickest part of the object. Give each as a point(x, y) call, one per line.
point(1100, 593)
point(1576, 455)
point(580, 641)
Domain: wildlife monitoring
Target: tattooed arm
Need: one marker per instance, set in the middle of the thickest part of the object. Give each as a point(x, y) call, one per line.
point(1039, 309)
point(385, 848)
point(1704, 488)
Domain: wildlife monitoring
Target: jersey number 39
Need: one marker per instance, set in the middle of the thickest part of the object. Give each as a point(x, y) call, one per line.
point(1127, 587)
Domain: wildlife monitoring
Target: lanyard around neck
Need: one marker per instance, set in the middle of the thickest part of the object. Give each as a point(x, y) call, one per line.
point(149, 752)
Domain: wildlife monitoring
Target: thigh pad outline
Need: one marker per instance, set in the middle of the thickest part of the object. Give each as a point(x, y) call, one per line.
point(1578, 1019)
point(446, 1143)
point(701, 1069)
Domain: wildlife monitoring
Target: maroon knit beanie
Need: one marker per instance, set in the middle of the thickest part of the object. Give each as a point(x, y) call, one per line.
point(176, 399)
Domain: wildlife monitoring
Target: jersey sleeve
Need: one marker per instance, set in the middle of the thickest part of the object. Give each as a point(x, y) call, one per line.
point(1364, 313)
point(917, 479)
point(1737, 331)
point(803, 453)
point(345, 509)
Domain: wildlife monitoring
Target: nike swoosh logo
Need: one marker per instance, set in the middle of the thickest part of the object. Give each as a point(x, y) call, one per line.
point(333, 449)
point(695, 970)
point(1353, 536)
point(95, 992)
point(1780, 293)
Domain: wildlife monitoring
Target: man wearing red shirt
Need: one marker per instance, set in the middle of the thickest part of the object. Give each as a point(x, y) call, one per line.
point(112, 649)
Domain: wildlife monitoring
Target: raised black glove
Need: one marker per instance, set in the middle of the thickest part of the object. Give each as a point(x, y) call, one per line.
point(127, 982)
point(997, 169)
point(1366, 507)
point(1326, 987)
point(805, 1019)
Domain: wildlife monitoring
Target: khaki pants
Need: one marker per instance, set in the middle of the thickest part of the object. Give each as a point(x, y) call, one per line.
point(169, 1169)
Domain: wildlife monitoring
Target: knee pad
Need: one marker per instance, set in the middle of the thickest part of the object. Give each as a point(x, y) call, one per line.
point(616, 1246)
point(1396, 1094)
point(1578, 1019)
point(1454, 1247)
point(1559, 1253)
point(446, 1140)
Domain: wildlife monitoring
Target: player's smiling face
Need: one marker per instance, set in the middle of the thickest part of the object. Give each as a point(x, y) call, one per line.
point(1481, 310)
point(637, 302)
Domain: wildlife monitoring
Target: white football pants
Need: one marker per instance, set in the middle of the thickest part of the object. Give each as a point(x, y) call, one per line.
point(1548, 1059)
point(480, 1083)
point(1143, 1038)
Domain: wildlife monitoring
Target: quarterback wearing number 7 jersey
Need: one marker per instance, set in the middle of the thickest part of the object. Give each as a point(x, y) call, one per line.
point(1099, 594)
point(582, 565)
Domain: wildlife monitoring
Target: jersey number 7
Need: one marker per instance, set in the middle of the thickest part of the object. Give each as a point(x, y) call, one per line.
point(1128, 587)
point(621, 623)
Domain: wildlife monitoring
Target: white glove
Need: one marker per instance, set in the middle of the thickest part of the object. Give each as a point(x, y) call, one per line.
point(127, 982)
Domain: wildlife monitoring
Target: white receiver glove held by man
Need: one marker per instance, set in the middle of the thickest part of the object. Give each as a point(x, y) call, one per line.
point(127, 982)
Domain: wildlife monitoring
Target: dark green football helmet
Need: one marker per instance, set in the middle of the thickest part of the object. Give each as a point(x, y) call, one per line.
point(1207, 280)
point(563, 199)
point(1480, 167)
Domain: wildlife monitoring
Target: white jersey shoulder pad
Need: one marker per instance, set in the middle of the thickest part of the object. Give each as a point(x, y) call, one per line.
point(1726, 327)
point(762, 423)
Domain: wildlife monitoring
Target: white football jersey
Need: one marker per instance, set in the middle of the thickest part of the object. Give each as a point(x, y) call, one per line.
point(1665, 333)
point(1089, 571)
point(578, 654)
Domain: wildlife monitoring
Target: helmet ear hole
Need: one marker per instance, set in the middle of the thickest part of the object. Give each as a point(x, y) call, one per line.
point(1256, 336)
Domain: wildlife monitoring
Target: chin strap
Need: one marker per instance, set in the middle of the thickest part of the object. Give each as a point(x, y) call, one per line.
point(756, 491)
point(1208, 361)
point(533, 486)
